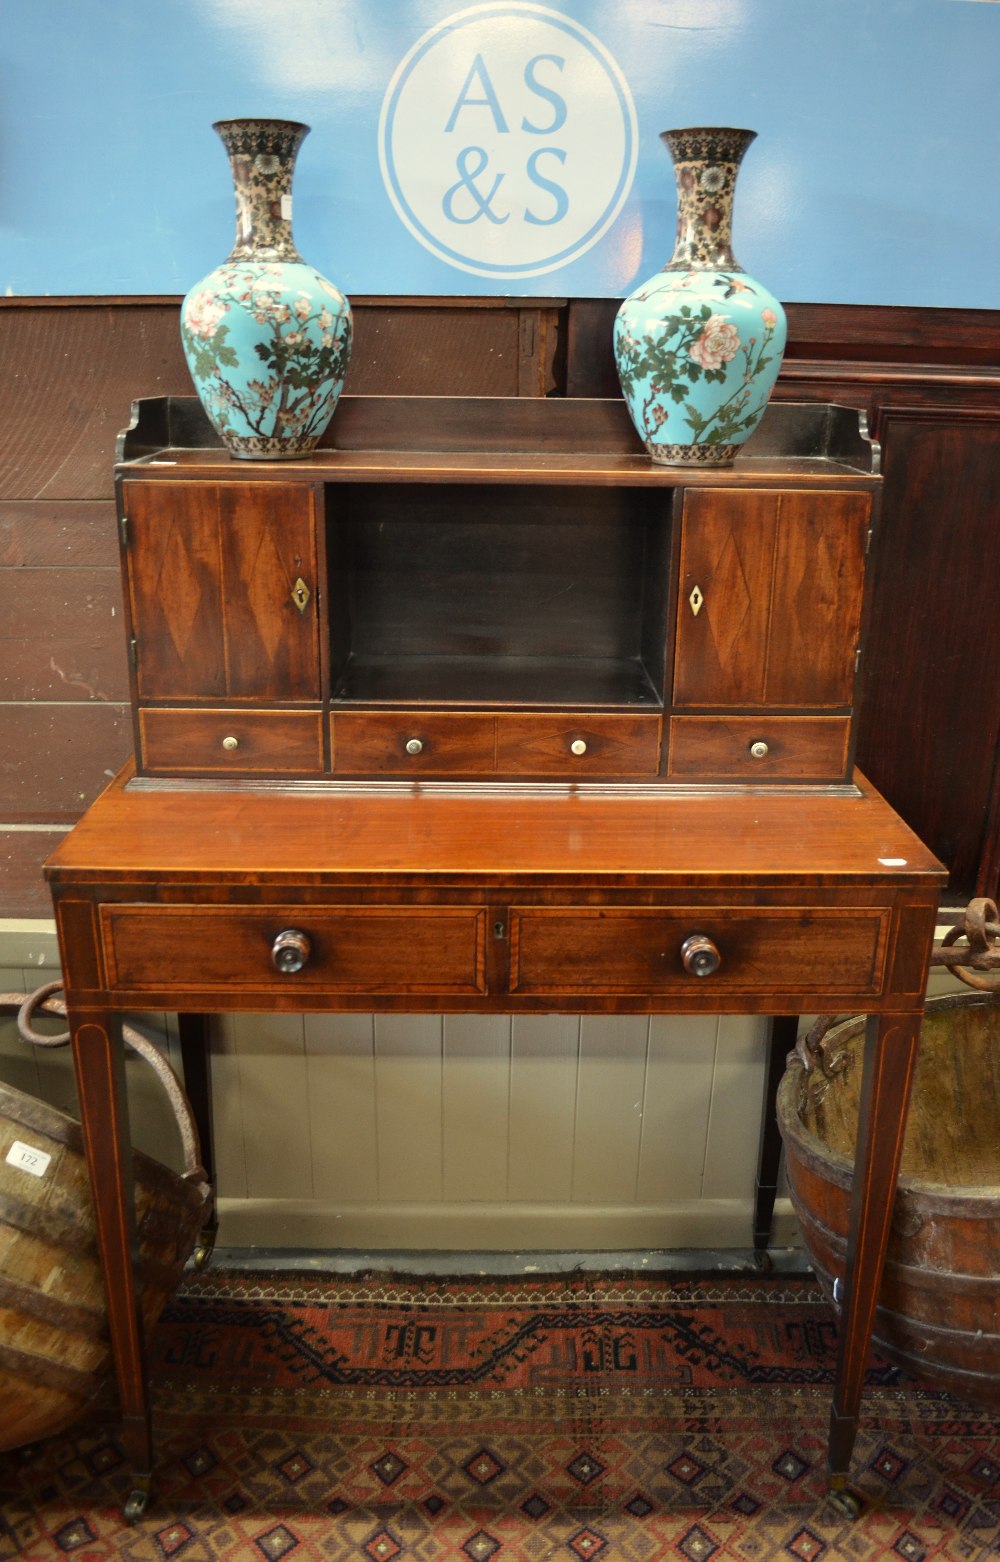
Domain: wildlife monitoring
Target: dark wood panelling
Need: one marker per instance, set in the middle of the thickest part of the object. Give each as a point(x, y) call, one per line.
point(590, 364)
point(931, 698)
point(61, 640)
point(988, 878)
point(58, 534)
point(61, 635)
point(476, 347)
point(54, 760)
point(71, 374)
point(857, 333)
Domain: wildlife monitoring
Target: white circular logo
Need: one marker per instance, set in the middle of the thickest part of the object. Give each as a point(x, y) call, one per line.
point(507, 139)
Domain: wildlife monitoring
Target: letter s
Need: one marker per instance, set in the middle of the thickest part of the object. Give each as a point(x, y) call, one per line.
point(558, 103)
point(555, 190)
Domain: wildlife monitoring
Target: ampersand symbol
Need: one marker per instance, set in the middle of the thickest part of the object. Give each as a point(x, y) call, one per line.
point(467, 181)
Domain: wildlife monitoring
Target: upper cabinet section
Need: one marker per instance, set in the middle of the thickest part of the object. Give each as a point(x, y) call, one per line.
point(495, 591)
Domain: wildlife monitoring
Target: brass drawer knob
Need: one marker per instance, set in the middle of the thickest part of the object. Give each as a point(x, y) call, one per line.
point(578, 746)
point(758, 750)
point(414, 746)
point(290, 951)
point(230, 743)
point(699, 955)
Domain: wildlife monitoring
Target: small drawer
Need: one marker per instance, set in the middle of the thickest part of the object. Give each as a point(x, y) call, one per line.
point(412, 743)
point(765, 748)
point(750, 951)
point(341, 949)
point(574, 747)
point(231, 742)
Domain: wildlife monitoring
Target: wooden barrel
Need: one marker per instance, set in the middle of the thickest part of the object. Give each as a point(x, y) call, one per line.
point(54, 1347)
point(939, 1310)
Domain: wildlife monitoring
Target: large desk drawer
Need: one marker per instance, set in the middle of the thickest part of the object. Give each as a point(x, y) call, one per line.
point(639, 949)
point(342, 949)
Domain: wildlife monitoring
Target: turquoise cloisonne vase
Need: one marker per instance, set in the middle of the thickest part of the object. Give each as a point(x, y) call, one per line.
point(698, 347)
point(267, 339)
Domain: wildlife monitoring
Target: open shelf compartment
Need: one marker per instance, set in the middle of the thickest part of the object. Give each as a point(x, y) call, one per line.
point(487, 595)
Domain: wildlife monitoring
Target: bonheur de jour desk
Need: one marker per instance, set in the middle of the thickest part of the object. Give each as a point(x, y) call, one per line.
point(427, 901)
point(476, 709)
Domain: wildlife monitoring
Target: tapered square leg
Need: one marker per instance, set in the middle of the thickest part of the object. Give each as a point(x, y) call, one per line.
point(99, 1062)
point(890, 1055)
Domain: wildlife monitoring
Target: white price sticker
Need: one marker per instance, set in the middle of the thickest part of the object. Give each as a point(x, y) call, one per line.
point(28, 1159)
point(286, 207)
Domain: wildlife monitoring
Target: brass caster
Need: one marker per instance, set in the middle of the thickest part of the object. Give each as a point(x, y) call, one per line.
point(138, 1500)
point(847, 1502)
point(203, 1252)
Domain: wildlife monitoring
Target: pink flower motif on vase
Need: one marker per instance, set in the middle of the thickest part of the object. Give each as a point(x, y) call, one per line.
point(718, 343)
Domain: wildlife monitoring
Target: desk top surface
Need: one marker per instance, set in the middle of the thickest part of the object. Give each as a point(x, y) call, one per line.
point(137, 834)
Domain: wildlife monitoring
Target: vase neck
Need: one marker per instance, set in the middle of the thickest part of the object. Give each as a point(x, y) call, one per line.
point(262, 156)
point(706, 163)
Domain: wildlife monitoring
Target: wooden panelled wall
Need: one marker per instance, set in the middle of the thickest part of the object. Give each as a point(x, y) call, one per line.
point(929, 381)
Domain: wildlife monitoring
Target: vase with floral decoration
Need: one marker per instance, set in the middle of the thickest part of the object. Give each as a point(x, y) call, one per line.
point(266, 337)
point(698, 347)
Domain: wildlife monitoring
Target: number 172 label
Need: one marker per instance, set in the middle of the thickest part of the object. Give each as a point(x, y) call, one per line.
point(28, 1159)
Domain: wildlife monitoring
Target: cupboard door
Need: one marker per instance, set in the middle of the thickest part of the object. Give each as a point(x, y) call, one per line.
point(769, 607)
point(174, 571)
point(268, 556)
point(216, 576)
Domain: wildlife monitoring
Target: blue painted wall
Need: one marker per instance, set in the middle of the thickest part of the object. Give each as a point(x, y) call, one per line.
point(873, 180)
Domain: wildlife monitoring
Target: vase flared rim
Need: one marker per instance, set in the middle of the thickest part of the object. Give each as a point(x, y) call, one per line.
point(709, 130)
point(220, 125)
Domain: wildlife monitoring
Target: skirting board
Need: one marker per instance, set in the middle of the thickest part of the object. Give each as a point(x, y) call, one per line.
point(317, 1225)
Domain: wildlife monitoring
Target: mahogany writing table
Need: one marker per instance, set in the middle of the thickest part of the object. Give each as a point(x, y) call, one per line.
point(430, 898)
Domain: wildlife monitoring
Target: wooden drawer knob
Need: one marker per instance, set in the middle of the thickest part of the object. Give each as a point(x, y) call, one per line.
point(290, 951)
point(699, 955)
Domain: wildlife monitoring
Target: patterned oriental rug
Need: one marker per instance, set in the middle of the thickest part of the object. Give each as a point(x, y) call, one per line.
point(616, 1417)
